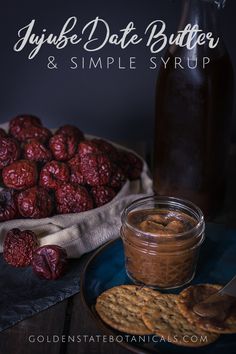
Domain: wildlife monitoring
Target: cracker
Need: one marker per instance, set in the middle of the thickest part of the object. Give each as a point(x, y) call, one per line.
point(162, 317)
point(197, 293)
point(120, 307)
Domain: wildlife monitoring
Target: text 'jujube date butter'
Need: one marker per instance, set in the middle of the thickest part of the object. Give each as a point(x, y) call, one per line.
point(162, 237)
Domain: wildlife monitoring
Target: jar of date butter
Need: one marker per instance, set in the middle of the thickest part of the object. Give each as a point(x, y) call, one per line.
point(162, 237)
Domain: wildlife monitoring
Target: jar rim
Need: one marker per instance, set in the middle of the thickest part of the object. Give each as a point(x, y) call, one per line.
point(173, 201)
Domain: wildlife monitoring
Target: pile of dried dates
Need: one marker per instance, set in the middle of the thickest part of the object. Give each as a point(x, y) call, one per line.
point(21, 249)
point(44, 174)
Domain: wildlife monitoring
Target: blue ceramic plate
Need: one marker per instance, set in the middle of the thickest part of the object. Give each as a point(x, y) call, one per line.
point(217, 264)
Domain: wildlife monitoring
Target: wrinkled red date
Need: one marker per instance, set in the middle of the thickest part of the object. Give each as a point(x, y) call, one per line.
point(49, 262)
point(25, 127)
point(23, 121)
point(34, 150)
point(72, 199)
point(102, 195)
point(87, 147)
point(63, 147)
point(71, 130)
point(19, 246)
point(8, 205)
point(21, 174)
point(9, 151)
point(53, 174)
point(107, 148)
point(40, 133)
point(131, 164)
point(76, 175)
point(96, 169)
point(118, 178)
point(34, 203)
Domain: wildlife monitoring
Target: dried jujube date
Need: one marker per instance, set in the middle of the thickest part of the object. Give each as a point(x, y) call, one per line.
point(63, 147)
point(25, 127)
point(76, 175)
point(53, 174)
point(8, 205)
point(22, 121)
point(21, 174)
point(35, 202)
point(107, 148)
point(87, 147)
point(70, 130)
point(49, 262)
point(118, 177)
point(40, 133)
point(34, 150)
point(9, 151)
point(18, 247)
point(96, 169)
point(102, 195)
point(131, 164)
point(72, 199)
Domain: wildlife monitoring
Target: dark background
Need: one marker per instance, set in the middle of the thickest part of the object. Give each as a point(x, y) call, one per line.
point(116, 104)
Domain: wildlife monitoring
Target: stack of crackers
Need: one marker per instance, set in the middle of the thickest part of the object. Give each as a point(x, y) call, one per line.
point(144, 311)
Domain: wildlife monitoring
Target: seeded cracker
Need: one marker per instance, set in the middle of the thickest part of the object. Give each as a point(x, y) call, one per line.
point(162, 317)
point(120, 307)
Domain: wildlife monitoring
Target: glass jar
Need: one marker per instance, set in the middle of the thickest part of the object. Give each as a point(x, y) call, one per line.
point(162, 237)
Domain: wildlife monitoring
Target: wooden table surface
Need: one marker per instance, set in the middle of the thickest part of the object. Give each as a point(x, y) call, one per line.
point(47, 332)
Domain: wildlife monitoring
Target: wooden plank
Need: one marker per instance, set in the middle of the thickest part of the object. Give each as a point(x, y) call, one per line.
point(34, 334)
point(26, 336)
point(83, 327)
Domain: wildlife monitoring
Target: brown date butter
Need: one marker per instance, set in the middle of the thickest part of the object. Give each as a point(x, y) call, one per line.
point(161, 246)
point(216, 307)
point(213, 308)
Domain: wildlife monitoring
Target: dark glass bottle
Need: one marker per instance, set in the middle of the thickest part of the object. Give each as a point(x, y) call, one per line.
point(193, 114)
